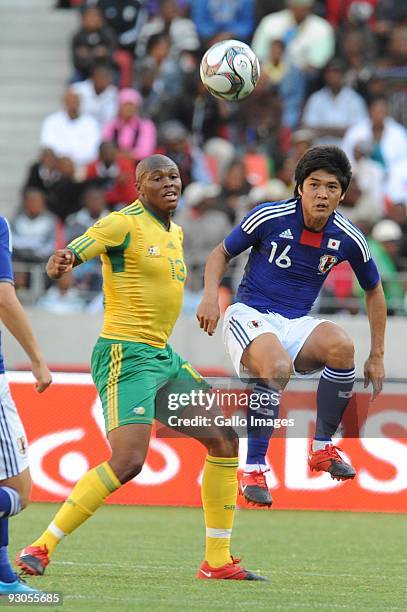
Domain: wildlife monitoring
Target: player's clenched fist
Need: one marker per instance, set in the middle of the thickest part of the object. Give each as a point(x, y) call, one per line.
point(60, 262)
point(208, 314)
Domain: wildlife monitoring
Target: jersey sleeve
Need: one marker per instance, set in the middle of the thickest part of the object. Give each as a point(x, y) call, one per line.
point(6, 266)
point(364, 266)
point(111, 231)
point(244, 235)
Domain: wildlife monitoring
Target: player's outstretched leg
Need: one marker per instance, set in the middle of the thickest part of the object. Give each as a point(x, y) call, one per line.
point(87, 496)
point(267, 361)
point(333, 395)
point(129, 445)
point(263, 409)
point(219, 493)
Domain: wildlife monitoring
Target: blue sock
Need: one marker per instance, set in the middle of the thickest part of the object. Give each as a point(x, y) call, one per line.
point(6, 571)
point(264, 404)
point(10, 503)
point(333, 395)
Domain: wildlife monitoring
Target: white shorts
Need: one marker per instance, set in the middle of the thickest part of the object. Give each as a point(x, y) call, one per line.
point(242, 324)
point(13, 441)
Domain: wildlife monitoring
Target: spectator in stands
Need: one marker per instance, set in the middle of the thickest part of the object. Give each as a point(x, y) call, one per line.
point(126, 18)
point(285, 173)
point(62, 297)
point(258, 120)
point(94, 208)
point(396, 187)
point(301, 140)
point(94, 41)
point(202, 226)
point(115, 173)
point(201, 113)
point(357, 205)
point(181, 31)
point(224, 19)
point(175, 143)
point(385, 245)
point(132, 134)
point(370, 177)
point(33, 229)
point(391, 69)
point(64, 197)
point(235, 188)
point(167, 70)
point(44, 173)
point(330, 111)
point(387, 138)
point(219, 154)
point(358, 62)
point(97, 94)
point(289, 81)
point(309, 39)
point(70, 133)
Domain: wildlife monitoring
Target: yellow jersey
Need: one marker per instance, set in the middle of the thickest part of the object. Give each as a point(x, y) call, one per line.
point(143, 272)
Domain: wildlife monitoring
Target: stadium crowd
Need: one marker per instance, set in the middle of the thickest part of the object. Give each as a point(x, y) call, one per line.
point(332, 71)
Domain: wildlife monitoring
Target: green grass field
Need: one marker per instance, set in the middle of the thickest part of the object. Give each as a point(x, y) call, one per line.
point(140, 558)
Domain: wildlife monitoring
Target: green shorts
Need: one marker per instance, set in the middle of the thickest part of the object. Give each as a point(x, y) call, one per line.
point(134, 380)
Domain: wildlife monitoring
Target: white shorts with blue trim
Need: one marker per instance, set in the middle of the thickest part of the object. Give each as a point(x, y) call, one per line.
point(13, 441)
point(242, 324)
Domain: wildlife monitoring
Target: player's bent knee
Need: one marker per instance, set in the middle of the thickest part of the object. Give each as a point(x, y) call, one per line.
point(224, 447)
point(24, 501)
point(127, 468)
point(279, 370)
point(341, 351)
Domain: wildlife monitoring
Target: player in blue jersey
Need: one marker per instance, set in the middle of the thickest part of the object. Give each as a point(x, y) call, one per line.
point(267, 331)
point(15, 480)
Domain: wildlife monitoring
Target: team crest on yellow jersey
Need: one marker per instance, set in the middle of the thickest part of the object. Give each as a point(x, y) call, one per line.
point(153, 251)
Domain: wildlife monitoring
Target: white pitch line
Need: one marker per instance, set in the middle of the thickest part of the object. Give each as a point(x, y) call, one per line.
point(182, 567)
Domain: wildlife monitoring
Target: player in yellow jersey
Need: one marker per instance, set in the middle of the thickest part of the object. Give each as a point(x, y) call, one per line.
point(135, 369)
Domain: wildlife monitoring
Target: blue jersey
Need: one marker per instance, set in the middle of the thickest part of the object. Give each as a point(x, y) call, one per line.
point(6, 268)
point(288, 264)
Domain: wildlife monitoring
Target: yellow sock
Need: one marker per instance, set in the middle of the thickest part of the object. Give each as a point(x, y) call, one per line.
point(219, 492)
point(87, 496)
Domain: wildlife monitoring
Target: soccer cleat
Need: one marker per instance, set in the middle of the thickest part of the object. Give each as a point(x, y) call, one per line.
point(18, 586)
point(33, 560)
point(329, 460)
point(253, 487)
point(230, 571)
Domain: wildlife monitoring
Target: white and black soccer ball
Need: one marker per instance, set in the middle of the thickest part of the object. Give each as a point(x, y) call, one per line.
point(230, 70)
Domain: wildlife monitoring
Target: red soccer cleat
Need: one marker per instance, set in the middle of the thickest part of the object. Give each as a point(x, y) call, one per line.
point(230, 571)
point(253, 487)
point(33, 560)
point(329, 460)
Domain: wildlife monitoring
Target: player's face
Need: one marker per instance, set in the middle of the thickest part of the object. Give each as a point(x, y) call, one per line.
point(161, 188)
point(320, 194)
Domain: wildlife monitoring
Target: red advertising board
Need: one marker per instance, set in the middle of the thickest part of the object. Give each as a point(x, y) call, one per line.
point(66, 435)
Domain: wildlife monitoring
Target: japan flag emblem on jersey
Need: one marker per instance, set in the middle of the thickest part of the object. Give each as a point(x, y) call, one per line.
point(333, 244)
point(327, 262)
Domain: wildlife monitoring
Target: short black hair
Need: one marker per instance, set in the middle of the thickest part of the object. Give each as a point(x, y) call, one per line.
point(329, 158)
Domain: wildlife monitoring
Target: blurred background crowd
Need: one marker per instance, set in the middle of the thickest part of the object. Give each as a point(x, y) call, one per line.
point(332, 71)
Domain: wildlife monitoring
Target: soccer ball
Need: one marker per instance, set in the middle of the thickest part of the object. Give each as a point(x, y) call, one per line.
point(230, 70)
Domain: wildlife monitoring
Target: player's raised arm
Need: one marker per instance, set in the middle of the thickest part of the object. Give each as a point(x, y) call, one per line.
point(208, 312)
point(377, 315)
